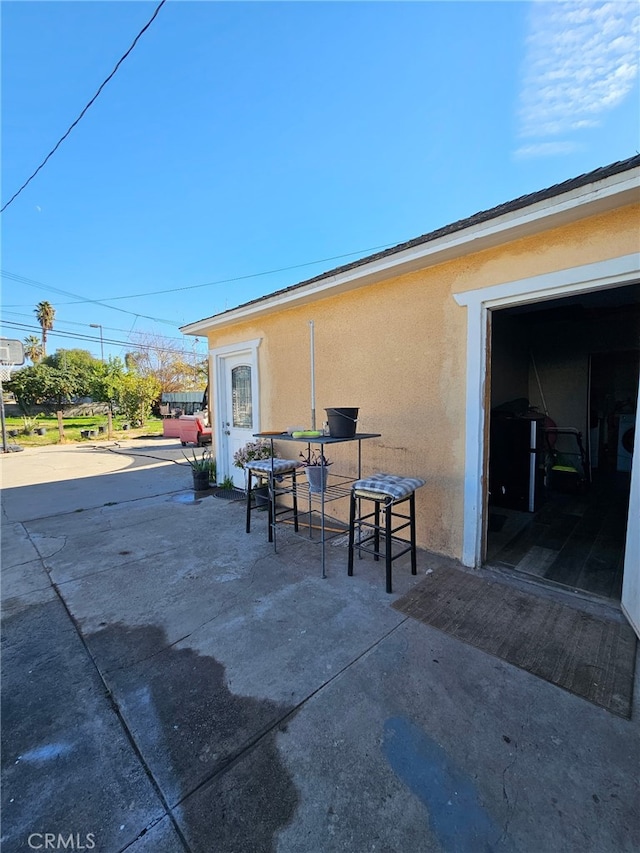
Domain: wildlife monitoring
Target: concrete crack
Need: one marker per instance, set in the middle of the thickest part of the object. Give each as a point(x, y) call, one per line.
point(144, 832)
point(113, 704)
point(511, 806)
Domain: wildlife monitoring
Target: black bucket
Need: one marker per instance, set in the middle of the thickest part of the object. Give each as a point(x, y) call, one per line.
point(342, 422)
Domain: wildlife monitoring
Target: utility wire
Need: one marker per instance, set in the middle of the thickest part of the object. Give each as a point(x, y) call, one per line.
point(245, 277)
point(78, 336)
point(62, 139)
point(15, 277)
point(29, 281)
point(60, 322)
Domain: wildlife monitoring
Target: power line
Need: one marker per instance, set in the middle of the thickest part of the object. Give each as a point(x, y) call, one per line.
point(363, 252)
point(249, 275)
point(60, 322)
point(62, 139)
point(32, 283)
point(132, 345)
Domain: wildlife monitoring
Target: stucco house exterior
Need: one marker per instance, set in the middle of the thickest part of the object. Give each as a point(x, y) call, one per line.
point(525, 300)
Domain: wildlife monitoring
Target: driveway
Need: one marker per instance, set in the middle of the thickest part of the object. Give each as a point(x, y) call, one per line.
point(171, 684)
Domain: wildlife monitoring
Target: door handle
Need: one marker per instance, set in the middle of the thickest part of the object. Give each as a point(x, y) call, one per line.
point(227, 432)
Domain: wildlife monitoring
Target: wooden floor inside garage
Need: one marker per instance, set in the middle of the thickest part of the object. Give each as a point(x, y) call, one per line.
point(576, 540)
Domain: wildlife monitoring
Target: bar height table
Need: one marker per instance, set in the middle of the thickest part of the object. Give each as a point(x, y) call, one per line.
point(340, 488)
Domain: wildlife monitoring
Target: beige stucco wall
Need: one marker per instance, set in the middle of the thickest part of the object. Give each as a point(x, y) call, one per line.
point(397, 350)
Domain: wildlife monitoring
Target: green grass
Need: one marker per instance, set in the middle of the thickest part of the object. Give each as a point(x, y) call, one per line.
point(73, 428)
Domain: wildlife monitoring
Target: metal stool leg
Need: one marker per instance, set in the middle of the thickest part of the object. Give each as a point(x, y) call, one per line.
point(270, 509)
point(376, 531)
point(412, 531)
point(295, 501)
point(388, 543)
point(249, 502)
point(352, 523)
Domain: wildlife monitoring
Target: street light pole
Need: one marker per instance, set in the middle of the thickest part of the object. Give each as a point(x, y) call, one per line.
point(98, 326)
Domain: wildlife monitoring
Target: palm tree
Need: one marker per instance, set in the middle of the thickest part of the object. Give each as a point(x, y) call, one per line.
point(45, 312)
point(33, 348)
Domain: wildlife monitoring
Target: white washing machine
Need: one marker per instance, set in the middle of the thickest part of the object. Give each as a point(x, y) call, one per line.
point(626, 435)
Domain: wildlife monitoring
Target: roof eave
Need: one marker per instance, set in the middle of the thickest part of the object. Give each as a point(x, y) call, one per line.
point(615, 191)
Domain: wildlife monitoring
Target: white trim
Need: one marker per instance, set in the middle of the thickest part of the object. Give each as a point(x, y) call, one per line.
point(217, 356)
point(229, 349)
point(630, 601)
point(588, 200)
point(583, 279)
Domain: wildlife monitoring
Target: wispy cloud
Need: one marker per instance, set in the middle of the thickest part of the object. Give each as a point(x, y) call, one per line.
point(546, 149)
point(581, 60)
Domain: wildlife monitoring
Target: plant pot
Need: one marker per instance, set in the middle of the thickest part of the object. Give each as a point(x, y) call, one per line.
point(261, 496)
point(342, 422)
point(200, 480)
point(125, 426)
point(41, 430)
point(317, 476)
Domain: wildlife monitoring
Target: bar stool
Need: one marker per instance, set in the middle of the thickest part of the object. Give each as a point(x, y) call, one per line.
point(274, 471)
point(387, 492)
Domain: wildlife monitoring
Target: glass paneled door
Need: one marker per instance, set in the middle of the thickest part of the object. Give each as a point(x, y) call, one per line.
point(238, 415)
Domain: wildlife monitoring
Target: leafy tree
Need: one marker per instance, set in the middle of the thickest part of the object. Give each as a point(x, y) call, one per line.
point(136, 394)
point(175, 368)
point(33, 348)
point(55, 381)
point(80, 358)
point(32, 386)
point(64, 387)
point(45, 314)
point(78, 368)
point(194, 373)
point(107, 379)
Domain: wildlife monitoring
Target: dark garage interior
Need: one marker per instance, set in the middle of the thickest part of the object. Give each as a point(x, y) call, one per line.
point(564, 392)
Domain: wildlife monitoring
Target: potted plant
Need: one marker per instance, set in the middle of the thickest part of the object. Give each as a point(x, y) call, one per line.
point(201, 468)
point(316, 466)
point(252, 451)
point(29, 424)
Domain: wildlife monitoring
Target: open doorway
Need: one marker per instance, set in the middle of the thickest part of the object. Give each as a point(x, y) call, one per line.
point(564, 387)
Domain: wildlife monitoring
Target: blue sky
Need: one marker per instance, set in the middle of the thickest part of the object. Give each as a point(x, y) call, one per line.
point(243, 138)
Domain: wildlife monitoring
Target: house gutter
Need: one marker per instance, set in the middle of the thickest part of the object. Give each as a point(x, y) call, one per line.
point(592, 199)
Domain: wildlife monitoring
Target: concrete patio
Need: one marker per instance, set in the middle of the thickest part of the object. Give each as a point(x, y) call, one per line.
point(171, 684)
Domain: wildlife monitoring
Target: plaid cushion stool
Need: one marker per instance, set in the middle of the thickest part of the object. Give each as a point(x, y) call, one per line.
point(274, 471)
point(387, 491)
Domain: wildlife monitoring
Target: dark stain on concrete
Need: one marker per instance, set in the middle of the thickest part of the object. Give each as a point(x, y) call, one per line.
point(67, 765)
point(213, 754)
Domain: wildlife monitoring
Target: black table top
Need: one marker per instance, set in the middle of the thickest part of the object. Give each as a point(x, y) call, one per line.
point(320, 439)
